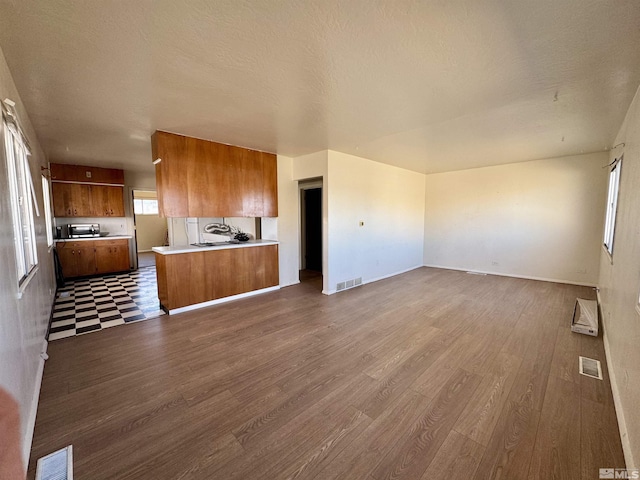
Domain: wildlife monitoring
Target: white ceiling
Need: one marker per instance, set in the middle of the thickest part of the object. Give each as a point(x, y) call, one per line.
point(427, 85)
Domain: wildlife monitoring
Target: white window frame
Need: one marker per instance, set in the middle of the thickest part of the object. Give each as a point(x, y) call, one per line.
point(48, 217)
point(612, 206)
point(21, 194)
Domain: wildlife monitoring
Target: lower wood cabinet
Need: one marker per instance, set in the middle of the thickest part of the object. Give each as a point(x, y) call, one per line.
point(201, 276)
point(93, 257)
point(113, 257)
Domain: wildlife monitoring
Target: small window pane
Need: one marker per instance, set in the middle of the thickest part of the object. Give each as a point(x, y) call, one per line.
point(47, 210)
point(150, 207)
point(137, 206)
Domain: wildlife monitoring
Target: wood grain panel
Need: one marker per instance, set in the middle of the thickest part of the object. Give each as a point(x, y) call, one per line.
point(274, 386)
point(558, 431)
point(410, 458)
point(85, 174)
point(269, 185)
point(199, 178)
point(202, 276)
point(458, 457)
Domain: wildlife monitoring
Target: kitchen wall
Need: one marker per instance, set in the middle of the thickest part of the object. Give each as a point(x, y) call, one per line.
point(285, 227)
point(390, 202)
point(619, 284)
point(541, 219)
point(23, 321)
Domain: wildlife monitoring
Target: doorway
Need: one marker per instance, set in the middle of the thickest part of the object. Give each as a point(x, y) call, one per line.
point(150, 229)
point(311, 231)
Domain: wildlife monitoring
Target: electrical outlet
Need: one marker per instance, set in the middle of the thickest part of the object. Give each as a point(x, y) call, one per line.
point(361, 223)
point(88, 174)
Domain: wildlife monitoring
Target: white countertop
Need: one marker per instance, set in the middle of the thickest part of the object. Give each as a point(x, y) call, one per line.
point(108, 237)
point(193, 248)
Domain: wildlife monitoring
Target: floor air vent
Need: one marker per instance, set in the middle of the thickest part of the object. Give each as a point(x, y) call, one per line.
point(354, 282)
point(590, 368)
point(56, 466)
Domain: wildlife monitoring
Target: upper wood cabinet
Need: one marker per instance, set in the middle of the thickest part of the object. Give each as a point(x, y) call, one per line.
point(82, 174)
point(199, 178)
point(76, 193)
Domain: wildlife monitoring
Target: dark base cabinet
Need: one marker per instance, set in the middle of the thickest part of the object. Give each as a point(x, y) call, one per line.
point(93, 257)
point(190, 278)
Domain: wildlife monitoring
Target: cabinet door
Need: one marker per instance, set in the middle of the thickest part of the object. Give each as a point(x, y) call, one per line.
point(100, 200)
point(112, 258)
point(269, 185)
point(86, 261)
point(171, 173)
point(81, 200)
point(68, 261)
point(250, 186)
point(62, 202)
point(115, 201)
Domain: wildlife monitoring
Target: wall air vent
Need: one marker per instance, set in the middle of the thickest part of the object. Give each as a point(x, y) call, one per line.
point(590, 368)
point(354, 282)
point(56, 466)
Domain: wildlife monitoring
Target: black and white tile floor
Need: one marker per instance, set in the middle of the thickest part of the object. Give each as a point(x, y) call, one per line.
point(91, 304)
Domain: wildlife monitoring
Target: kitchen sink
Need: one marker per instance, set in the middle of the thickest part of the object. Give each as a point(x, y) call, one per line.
point(215, 244)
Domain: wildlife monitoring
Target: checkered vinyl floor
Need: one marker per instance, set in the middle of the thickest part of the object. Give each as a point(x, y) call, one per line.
point(89, 305)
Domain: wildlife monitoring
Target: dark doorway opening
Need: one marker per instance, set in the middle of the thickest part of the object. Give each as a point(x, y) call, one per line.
point(312, 229)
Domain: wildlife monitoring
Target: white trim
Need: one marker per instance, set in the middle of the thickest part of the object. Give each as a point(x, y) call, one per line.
point(526, 277)
point(217, 301)
point(622, 424)
point(31, 422)
point(23, 286)
point(89, 183)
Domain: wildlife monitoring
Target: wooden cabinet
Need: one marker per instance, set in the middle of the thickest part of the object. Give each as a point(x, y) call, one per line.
point(80, 200)
point(197, 277)
point(83, 174)
point(112, 256)
point(72, 200)
point(199, 178)
point(92, 257)
point(77, 258)
point(74, 197)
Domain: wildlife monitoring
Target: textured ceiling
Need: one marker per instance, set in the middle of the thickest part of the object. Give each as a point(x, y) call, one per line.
point(427, 85)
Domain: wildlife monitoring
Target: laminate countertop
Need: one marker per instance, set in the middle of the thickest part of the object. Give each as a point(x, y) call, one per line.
point(193, 248)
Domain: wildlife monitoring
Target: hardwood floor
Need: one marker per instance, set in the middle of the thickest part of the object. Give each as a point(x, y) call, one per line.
point(432, 374)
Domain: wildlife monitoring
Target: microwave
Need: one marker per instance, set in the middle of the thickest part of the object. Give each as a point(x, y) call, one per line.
point(83, 230)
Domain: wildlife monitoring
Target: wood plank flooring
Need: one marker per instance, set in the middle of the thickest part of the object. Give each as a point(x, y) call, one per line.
point(433, 374)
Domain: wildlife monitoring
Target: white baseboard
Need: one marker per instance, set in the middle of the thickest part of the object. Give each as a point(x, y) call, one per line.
point(525, 277)
point(33, 411)
point(622, 424)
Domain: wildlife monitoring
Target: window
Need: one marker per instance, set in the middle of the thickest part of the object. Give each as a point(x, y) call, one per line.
point(20, 191)
point(612, 205)
point(47, 210)
point(145, 206)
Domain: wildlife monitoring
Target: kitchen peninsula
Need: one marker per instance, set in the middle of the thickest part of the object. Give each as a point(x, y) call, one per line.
point(198, 178)
point(192, 277)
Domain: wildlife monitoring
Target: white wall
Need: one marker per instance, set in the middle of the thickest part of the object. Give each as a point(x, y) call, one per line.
point(390, 202)
point(539, 219)
point(285, 227)
point(23, 321)
point(315, 165)
point(620, 287)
